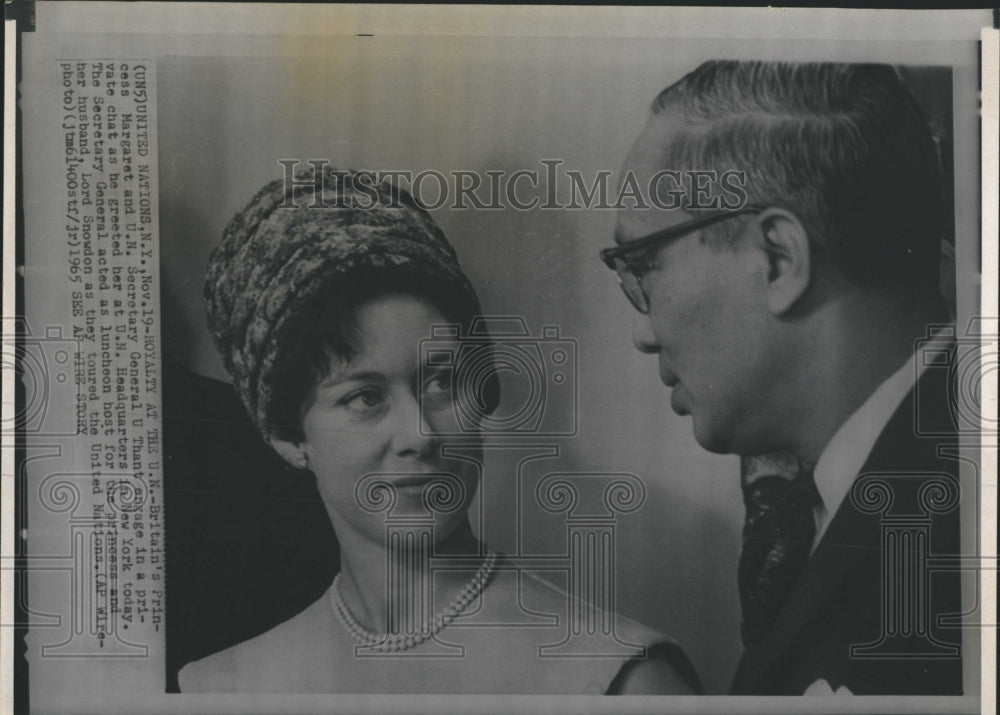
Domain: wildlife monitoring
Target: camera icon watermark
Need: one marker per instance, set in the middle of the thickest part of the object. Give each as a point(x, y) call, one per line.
point(503, 380)
point(47, 366)
point(958, 365)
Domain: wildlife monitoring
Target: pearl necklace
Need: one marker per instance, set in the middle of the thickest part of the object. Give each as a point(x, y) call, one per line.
point(403, 641)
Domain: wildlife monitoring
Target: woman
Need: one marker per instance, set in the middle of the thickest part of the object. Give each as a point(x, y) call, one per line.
point(318, 314)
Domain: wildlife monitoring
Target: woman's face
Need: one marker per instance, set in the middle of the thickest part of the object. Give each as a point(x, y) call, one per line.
point(381, 415)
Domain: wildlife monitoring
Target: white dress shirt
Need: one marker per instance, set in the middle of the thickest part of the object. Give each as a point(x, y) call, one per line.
point(846, 452)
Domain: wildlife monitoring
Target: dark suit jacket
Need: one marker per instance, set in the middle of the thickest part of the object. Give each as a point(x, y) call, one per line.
point(842, 599)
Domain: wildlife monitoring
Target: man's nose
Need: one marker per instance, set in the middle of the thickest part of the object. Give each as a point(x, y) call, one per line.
point(642, 334)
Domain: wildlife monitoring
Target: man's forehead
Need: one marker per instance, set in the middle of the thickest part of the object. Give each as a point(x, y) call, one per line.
point(636, 223)
point(664, 189)
point(650, 148)
point(644, 163)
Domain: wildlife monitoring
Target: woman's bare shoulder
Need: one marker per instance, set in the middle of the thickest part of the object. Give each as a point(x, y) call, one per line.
point(662, 668)
point(261, 664)
point(654, 675)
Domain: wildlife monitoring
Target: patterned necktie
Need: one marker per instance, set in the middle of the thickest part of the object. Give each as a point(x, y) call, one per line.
point(777, 537)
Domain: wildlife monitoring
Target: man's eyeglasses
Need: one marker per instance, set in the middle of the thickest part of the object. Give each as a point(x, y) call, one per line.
point(628, 276)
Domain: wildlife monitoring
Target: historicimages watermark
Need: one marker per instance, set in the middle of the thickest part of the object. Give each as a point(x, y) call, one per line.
point(550, 187)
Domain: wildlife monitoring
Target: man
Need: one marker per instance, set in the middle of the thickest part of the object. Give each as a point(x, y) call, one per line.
point(785, 295)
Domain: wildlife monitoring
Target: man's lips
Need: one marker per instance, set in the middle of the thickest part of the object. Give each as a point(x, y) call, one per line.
point(669, 379)
point(678, 401)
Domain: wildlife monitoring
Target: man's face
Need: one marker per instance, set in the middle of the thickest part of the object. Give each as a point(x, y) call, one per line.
point(707, 320)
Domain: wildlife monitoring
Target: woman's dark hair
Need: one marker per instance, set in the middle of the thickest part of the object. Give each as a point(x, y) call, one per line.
point(287, 277)
point(325, 332)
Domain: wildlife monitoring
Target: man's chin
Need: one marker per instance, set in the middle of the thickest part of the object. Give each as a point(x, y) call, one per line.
point(710, 440)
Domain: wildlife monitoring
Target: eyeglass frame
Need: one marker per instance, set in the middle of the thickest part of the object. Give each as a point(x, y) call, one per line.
point(613, 256)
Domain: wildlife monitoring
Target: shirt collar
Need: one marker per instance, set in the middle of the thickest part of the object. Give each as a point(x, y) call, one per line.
point(846, 453)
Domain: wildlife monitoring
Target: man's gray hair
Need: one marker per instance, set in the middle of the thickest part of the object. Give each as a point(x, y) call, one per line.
point(845, 147)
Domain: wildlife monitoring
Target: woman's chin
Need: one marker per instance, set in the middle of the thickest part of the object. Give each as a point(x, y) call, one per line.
point(448, 529)
point(414, 530)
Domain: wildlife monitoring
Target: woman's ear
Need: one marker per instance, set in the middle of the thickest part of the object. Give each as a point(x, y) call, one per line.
point(789, 258)
point(292, 452)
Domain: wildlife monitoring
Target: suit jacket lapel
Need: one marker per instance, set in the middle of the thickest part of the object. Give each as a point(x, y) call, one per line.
point(851, 535)
point(849, 538)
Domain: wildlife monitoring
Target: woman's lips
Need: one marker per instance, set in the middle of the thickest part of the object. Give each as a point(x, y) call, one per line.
point(410, 482)
point(418, 481)
point(414, 479)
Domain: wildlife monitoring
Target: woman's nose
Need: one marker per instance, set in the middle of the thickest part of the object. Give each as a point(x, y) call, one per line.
point(412, 434)
point(642, 334)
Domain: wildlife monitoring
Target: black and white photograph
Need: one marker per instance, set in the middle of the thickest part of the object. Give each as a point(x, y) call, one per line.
point(405, 358)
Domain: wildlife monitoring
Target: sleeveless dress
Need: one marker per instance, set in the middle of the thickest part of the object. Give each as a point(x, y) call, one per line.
point(515, 638)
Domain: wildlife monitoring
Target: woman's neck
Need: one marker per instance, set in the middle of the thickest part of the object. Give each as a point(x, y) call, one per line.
point(383, 584)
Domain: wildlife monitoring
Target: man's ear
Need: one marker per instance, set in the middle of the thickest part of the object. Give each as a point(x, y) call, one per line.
point(292, 452)
point(785, 243)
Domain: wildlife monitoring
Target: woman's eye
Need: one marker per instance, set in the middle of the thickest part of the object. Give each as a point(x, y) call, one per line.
point(438, 388)
point(364, 401)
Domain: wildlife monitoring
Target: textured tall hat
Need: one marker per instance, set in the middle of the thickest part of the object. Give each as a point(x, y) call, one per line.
point(294, 240)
